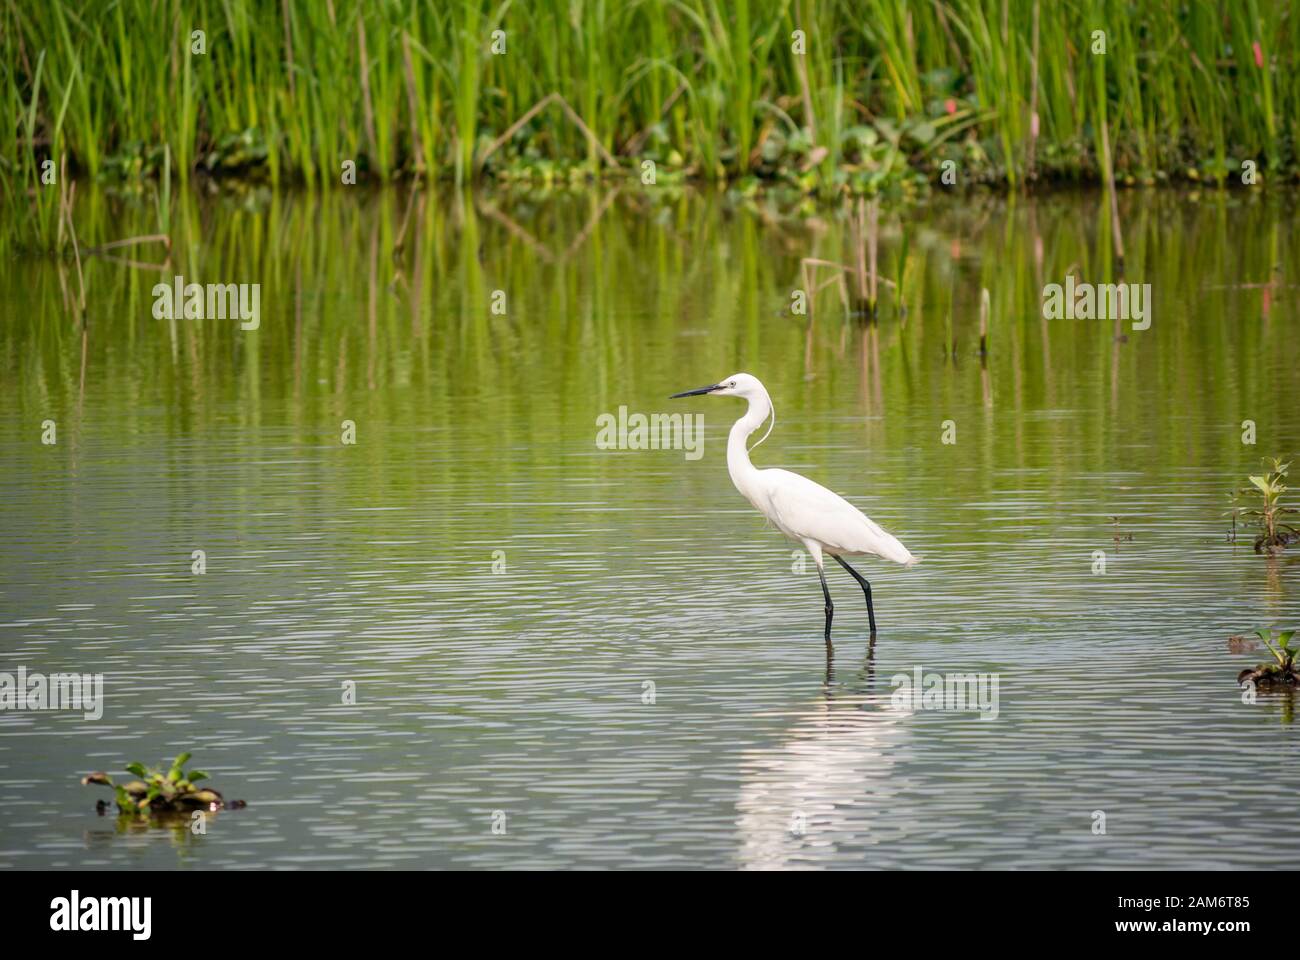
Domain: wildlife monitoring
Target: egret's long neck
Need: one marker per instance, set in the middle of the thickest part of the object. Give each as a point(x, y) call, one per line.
point(738, 465)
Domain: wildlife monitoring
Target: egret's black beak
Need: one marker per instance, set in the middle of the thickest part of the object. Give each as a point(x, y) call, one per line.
point(696, 393)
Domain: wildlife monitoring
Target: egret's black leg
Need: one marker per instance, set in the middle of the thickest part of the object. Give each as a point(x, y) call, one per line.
point(830, 607)
point(866, 588)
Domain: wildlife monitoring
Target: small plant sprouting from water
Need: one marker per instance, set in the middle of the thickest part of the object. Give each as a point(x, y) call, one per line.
point(1266, 510)
point(156, 792)
point(1284, 669)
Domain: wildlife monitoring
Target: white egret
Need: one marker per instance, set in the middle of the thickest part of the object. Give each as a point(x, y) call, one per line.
point(806, 512)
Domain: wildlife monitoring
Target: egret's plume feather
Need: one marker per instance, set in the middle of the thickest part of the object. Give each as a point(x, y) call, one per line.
point(771, 407)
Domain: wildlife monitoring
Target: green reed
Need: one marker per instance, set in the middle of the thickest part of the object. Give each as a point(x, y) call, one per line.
point(1010, 89)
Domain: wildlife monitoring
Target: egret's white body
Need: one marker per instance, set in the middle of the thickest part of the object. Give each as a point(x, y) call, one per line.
point(805, 511)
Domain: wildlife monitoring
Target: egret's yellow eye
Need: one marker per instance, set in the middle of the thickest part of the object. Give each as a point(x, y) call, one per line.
point(732, 384)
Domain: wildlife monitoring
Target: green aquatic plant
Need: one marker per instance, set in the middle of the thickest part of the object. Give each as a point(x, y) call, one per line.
point(157, 792)
point(1007, 91)
point(1283, 669)
point(1267, 489)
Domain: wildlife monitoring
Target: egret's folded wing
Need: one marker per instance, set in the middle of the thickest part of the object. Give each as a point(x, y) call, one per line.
point(803, 508)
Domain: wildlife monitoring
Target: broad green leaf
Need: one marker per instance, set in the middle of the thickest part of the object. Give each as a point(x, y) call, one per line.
point(178, 767)
point(863, 134)
point(922, 133)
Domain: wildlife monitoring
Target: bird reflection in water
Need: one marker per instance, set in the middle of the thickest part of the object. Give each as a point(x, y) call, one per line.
point(830, 782)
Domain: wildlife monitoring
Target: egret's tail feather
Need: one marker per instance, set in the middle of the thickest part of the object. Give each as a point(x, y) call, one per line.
point(913, 561)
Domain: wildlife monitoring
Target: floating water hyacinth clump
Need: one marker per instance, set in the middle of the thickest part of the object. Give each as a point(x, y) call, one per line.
point(157, 793)
point(1283, 670)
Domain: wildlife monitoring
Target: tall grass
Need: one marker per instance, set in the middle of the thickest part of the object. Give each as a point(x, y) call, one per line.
point(293, 88)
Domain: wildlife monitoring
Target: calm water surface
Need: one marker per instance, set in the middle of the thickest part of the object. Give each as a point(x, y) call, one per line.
point(502, 591)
